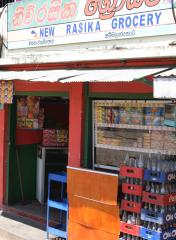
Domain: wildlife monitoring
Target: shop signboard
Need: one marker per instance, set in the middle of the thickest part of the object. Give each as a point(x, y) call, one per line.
point(35, 23)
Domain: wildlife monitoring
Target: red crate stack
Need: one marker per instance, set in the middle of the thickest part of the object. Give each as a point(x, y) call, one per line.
point(132, 187)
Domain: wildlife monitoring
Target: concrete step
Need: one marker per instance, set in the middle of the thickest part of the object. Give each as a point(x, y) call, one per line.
point(14, 230)
point(11, 229)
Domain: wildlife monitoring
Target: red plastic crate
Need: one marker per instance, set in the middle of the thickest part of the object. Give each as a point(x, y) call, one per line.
point(131, 206)
point(130, 229)
point(132, 189)
point(158, 199)
point(131, 172)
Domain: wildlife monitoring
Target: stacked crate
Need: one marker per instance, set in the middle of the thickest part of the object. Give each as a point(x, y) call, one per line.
point(159, 203)
point(149, 200)
point(131, 203)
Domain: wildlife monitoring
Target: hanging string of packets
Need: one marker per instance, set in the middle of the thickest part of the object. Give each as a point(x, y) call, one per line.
point(6, 92)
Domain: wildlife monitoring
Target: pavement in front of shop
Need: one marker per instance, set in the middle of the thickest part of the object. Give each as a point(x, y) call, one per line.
point(11, 229)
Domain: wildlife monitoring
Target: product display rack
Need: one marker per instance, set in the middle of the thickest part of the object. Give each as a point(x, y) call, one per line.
point(110, 133)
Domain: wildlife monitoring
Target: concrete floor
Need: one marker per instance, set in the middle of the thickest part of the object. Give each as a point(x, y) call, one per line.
point(25, 222)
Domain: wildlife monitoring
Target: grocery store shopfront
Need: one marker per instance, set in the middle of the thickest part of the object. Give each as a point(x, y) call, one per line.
point(116, 125)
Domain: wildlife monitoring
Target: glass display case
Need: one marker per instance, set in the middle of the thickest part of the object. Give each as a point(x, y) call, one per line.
point(132, 128)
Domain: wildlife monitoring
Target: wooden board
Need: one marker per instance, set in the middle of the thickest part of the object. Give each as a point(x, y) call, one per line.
point(77, 231)
point(94, 214)
point(94, 185)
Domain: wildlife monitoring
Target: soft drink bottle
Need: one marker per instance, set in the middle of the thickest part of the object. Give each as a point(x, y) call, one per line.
point(162, 190)
point(147, 188)
point(157, 191)
point(133, 218)
point(141, 161)
point(129, 219)
point(149, 163)
point(156, 208)
point(126, 161)
point(152, 190)
point(153, 165)
point(138, 220)
point(124, 216)
point(159, 228)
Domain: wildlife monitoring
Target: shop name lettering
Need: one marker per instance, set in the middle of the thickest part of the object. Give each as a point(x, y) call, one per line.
point(117, 23)
point(60, 10)
point(24, 16)
point(47, 32)
point(108, 8)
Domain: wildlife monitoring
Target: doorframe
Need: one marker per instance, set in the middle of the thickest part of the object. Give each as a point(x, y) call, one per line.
point(11, 123)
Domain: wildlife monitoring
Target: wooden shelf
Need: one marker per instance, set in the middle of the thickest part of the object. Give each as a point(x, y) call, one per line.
point(96, 165)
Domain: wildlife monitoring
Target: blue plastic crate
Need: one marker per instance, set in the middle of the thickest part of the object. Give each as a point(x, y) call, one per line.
point(169, 234)
point(160, 177)
point(158, 217)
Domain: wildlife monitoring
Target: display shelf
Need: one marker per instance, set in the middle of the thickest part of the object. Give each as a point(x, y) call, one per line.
point(105, 166)
point(132, 149)
point(130, 103)
point(137, 127)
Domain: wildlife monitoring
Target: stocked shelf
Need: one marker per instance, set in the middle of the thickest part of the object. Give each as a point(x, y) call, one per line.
point(132, 149)
point(134, 126)
point(137, 127)
point(105, 167)
point(130, 103)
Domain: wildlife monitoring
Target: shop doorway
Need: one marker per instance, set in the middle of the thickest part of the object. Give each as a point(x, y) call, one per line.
point(38, 136)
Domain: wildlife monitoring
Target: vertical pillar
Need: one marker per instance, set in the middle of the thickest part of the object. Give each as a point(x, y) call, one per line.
point(76, 124)
point(3, 142)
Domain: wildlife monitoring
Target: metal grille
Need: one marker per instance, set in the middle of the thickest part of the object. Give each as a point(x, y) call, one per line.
point(4, 2)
